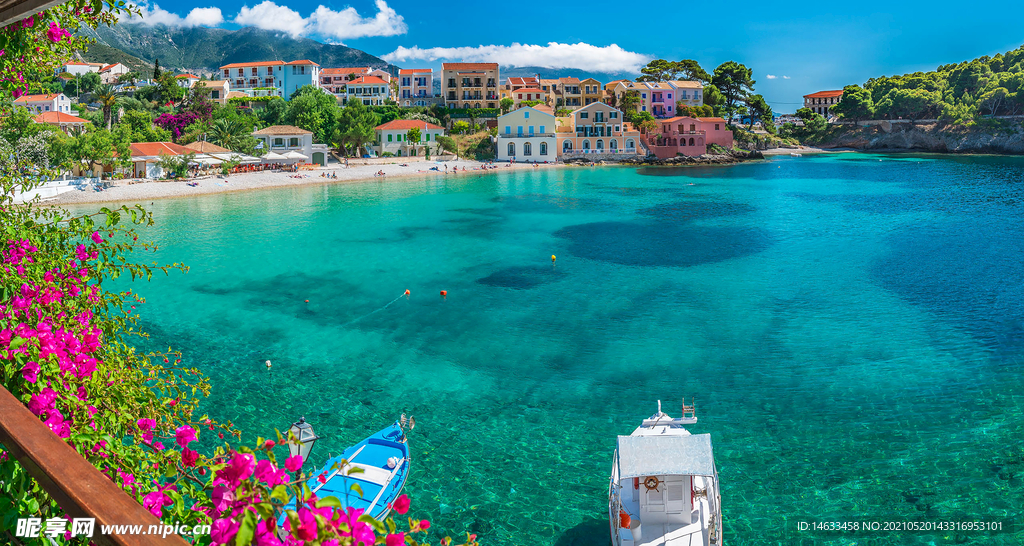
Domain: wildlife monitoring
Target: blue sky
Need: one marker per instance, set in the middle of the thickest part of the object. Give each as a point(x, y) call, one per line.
point(794, 49)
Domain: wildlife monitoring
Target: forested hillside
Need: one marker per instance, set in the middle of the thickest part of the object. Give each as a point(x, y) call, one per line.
point(953, 93)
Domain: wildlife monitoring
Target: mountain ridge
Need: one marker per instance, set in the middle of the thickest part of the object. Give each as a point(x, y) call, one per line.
point(205, 50)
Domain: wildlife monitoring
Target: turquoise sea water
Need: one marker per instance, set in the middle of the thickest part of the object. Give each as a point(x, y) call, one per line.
point(852, 327)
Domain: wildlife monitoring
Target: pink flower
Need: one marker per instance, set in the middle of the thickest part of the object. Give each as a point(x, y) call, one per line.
point(146, 427)
point(241, 466)
point(222, 497)
point(55, 33)
point(42, 402)
point(307, 525)
point(30, 371)
point(322, 478)
point(156, 500)
point(359, 531)
point(424, 524)
point(293, 463)
point(397, 539)
point(224, 530)
point(96, 237)
point(401, 504)
point(28, 22)
point(269, 445)
point(189, 457)
point(184, 435)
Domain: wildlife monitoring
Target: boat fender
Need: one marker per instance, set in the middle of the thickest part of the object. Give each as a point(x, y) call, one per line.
point(624, 519)
point(392, 462)
point(636, 483)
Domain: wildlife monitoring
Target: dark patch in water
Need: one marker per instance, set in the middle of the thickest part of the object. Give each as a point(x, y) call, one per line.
point(654, 244)
point(685, 211)
point(969, 272)
point(520, 278)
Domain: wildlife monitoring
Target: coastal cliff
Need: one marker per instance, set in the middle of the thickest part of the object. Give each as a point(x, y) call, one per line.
point(931, 137)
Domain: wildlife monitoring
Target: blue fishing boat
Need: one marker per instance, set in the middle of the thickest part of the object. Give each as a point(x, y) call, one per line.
point(382, 458)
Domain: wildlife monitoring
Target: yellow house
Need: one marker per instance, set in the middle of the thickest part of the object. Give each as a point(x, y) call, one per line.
point(592, 91)
point(598, 129)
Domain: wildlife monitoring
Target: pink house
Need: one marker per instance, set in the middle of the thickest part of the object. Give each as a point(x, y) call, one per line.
point(688, 136)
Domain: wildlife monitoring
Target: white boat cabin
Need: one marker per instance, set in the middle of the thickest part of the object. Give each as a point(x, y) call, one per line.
point(664, 486)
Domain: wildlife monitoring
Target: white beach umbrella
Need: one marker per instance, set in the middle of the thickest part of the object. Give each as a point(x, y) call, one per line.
point(295, 155)
point(273, 156)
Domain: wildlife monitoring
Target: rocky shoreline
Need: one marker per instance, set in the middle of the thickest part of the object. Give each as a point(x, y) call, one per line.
point(734, 156)
point(932, 137)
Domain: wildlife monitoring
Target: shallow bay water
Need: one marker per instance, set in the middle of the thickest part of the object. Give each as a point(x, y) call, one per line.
point(852, 327)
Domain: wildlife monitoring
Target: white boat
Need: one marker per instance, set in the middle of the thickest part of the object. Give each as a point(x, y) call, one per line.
point(664, 485)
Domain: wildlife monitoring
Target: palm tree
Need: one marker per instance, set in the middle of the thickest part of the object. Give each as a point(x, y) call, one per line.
point(226, 133)
point(107, 96)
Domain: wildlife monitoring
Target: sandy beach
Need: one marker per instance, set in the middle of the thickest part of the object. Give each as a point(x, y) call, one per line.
point(133, 191)
point(805, 150)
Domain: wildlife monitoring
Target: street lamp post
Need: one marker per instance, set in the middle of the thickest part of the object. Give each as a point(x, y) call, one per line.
point(301, 439)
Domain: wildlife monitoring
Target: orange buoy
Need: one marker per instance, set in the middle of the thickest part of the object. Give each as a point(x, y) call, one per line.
point(624, 519)
point(406, 292)
point(307, 301)
point(444, 293)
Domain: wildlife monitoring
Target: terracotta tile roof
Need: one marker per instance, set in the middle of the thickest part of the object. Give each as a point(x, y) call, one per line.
point(187, 76)
point(686, 84)
point(140, 149)
point(247, 65)
point(544, 108)
point(469, 66)
point(414, 70)
point(35, 98)
point(58, 117)
point(210, 83)
point(77, 64)
point(367, 79)
point(283, 130)
point(108, 67)
point(712, 120)
point(532, 80)
point(405, 125)
point(345, 71)
point(824, 94)
point(303, 61)
point(528, 89)
point(570, 79)
point(233, 94)
point(206, 147)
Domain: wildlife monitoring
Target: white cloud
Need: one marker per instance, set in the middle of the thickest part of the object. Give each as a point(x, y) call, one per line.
point(554, 55)
point(270, 16)
point(785, 77)
point(347, 23)
point(771, 77)
point(155, 15)
point(340, 25)
point(204, 17)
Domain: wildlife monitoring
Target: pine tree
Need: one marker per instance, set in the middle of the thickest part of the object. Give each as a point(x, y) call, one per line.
point(156, 70)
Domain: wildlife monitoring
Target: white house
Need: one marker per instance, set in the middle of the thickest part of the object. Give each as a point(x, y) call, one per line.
point(51, 102)
point(110, 73)
point(282, 139)
point(217, 90)
point(527, 135)
point(393, 137)
point(146, 157)
point(186, 80)
point(373, 91)
point(77, 69)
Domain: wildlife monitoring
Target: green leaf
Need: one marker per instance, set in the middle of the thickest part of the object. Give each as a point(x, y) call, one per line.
point(17, 342)
point(355, 487)
point(280, 493)
point(328, 501)
point(246, 530)
point(371, 521)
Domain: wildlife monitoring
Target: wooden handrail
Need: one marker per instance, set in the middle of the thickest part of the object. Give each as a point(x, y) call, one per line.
point(77, 486)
